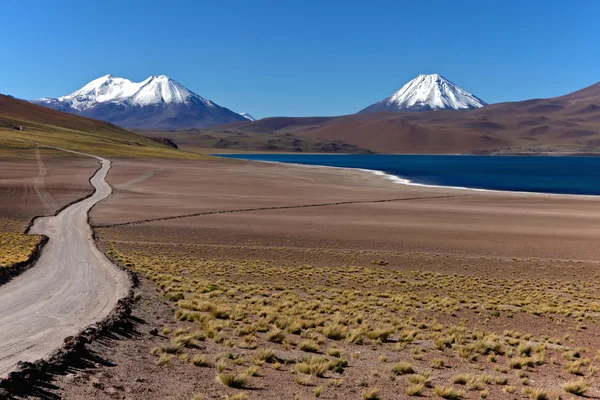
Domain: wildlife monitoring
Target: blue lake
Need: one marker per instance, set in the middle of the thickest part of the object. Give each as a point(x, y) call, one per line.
point(569, 175)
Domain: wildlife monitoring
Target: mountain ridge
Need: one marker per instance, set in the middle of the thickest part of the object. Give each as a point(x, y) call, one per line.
point(567, 124)
point(157, 102)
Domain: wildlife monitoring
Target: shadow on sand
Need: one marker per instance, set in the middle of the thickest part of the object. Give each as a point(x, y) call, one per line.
point(43, 387)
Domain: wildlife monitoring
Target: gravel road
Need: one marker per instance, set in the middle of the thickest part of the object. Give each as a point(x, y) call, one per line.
point(72, 285)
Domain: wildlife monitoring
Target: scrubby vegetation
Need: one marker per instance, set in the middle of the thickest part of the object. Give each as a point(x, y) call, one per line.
point(15, 246)
point(366, 326)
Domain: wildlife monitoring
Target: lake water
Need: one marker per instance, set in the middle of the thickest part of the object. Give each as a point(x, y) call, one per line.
point(568, 175)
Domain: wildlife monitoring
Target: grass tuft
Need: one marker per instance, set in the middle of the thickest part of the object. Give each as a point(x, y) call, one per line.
point(237, 381)
point(449, 393)
point(578, 388)
point(371, 394)
point(403, 368)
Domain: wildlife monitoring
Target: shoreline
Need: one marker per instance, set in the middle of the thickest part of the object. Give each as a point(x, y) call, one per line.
point(404, 181)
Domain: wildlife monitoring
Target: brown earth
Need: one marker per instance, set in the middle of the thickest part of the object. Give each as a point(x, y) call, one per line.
point(30, 187)
point(568, 124)
point(470, 222)
point(515, 269)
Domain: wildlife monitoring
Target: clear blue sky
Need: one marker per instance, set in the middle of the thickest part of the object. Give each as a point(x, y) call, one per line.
point(303, 57)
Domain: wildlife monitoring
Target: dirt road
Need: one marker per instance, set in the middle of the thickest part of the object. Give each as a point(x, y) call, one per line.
point(71, 286)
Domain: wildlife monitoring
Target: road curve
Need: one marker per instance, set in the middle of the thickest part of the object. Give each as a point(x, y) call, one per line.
point(72, 285)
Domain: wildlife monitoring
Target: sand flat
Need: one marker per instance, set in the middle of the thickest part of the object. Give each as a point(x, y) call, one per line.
point(30, 188)
point(474, 223)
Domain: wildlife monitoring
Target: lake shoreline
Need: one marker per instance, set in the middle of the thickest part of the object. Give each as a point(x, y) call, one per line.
point(407, 180)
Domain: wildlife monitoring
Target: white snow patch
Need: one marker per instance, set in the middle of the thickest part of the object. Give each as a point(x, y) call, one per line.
point(247, 116)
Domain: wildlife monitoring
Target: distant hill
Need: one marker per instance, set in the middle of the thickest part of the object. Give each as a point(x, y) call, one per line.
point(157, 103)
point(32, 123)
point(567, 124)
point(225, 140)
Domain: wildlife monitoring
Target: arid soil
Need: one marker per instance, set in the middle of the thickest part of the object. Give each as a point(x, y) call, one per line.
point(31, 186)
point(436, 221)
point(492, 295)
point(36, 182)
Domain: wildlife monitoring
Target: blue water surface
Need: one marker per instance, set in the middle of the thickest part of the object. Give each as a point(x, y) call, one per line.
point(568, 175)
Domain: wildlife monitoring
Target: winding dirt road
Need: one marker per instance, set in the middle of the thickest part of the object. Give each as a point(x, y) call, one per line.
point(72, 285)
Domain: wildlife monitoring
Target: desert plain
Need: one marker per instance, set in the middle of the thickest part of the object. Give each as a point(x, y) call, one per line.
point(275, 281)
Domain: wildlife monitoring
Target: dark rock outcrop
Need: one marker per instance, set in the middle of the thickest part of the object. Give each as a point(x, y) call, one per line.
point(166, 141)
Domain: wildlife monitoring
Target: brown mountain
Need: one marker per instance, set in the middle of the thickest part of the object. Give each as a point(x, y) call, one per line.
point(565, 124)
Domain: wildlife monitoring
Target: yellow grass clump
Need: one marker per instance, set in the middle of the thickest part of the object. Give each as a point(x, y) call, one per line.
point(15, 247)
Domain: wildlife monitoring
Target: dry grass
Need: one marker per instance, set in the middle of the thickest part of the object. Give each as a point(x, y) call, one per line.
point(304, 380)
point(309, 346)
point(415, 389)
point(537, 394)
point(402, 322)
point(371, 394)
point(237, 381)
point(15, 246)
point(201, 361)
point(449, 393)
point(402, 368)
point(578, 387)
point(58, 129)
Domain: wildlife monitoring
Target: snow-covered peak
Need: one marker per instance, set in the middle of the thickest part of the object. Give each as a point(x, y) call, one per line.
point(104, 89)
point(247, 116)
point(161, 89)
point(432, 76)
point(431, 92)
point(155, 90)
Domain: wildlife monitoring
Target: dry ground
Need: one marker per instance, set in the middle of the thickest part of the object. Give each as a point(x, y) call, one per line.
point(493, 295)
point(36, 182)
point(30, 187)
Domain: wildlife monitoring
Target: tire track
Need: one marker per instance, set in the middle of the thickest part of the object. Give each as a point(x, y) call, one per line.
point(142, 178)
point(39, 183)
point(339, 203)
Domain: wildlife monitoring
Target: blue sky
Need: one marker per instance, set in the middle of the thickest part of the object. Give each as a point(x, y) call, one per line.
point(302, 58)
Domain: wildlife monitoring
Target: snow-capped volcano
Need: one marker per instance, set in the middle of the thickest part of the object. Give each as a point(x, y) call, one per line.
point(248, 116)
point(425, 93)
point(158, 102)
